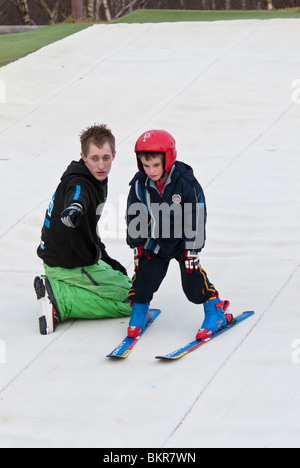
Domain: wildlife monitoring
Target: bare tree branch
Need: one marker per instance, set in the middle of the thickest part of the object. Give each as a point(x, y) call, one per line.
point(52, 14)
point(130, 5)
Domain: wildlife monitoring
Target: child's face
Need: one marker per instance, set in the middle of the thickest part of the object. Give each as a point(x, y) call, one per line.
point(99, 160)
point(153, 167)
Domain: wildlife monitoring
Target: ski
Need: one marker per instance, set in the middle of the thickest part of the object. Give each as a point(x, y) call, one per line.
point(124, 348)
point(180, 352)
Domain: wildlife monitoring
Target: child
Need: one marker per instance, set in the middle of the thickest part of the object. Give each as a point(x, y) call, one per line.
point(81, 280)
point(166, 218)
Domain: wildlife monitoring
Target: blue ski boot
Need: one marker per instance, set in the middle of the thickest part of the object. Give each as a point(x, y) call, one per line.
point(139, 317)
point(215, 317)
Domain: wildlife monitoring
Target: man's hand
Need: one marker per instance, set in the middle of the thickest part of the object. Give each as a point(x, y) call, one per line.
point(111, 261)
point(71, 215)
point(117, 266)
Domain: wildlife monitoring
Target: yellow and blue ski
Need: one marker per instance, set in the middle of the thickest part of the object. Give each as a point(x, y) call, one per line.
point(124, 348)
point(180, 352)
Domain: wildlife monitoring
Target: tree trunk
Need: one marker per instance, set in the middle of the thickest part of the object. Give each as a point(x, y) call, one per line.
point(90, 8)
point(106, 10)
point(24, 12)
point(97, 7)
point(269, 4)
point(77, 8)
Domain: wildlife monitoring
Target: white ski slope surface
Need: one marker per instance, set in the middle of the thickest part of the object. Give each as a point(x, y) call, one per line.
point(229, 92)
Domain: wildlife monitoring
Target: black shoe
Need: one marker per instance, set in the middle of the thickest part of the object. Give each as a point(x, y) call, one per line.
point(49, 316)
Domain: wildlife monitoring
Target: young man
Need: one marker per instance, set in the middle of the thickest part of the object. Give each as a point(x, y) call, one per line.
point(81, 280)
point(166, 218)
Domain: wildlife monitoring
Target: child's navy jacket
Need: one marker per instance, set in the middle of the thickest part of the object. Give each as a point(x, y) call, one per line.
point(170, 223)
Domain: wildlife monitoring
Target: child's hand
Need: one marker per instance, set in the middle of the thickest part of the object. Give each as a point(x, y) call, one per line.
point(71, 215)
point(139, 252)
point(191, 260)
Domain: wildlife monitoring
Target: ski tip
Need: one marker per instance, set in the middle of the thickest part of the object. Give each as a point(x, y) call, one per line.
point(115, 356)
point(155, 312)
point(118, 356)
point(248, 312)
point(169, 358)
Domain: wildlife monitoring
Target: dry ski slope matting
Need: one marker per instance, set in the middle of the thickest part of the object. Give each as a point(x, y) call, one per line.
point(229, 93)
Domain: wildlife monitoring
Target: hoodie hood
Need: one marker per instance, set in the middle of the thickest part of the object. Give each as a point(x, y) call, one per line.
point(78, 168)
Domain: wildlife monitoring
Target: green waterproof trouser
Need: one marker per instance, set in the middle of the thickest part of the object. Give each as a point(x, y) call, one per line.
point(91, 292)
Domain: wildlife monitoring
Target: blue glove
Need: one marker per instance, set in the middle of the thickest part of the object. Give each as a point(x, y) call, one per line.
point(71, 215)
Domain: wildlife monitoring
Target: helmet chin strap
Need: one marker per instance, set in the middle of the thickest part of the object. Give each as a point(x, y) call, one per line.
point(164, 173)
point(162, 177)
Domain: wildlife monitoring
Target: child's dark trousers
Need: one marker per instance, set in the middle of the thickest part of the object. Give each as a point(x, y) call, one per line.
point(151, 273)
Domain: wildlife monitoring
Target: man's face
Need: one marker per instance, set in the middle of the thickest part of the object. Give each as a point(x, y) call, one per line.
point(153, 167)
point(99, 160)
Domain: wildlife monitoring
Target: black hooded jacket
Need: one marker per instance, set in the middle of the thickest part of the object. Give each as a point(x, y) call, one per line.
point(65, 247)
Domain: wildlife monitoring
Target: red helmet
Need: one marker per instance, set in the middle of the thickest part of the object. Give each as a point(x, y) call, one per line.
point(159, 141)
